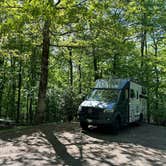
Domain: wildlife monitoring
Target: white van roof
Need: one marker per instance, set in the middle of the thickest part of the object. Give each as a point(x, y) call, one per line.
point(111, 83)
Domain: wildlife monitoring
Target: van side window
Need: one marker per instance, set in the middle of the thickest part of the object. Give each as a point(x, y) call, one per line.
point(132, 93)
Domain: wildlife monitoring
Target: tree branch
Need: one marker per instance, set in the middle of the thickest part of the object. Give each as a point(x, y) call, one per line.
point(68, 32)
point(67, 46)
point(78, 4)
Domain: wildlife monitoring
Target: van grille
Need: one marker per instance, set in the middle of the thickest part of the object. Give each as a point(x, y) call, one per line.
point(91, 113)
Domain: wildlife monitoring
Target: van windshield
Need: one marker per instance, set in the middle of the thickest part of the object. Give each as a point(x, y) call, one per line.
point(105, 95)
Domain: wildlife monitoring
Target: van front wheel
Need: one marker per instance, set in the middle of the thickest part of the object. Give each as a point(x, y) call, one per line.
point(141, 118)
point(140, 121)
point(116, 126)
point(84, 125)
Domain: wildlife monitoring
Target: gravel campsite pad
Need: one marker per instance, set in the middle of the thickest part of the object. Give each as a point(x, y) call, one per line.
point(66, 144)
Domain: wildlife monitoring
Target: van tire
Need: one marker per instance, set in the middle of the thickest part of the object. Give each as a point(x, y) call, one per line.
point(84, 125)
point(116, 125)
point(140, 120)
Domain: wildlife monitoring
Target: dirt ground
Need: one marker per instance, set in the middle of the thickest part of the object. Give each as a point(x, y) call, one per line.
point(66, 144)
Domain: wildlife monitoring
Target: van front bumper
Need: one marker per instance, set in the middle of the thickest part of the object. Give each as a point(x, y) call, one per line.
point(106, 122)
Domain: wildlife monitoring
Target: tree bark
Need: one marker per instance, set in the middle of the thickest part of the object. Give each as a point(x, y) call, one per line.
point(157, 76)
point(27, 109)
point(11, 108)
point(114, 68)
point(71, 67)
point(19, 94)
point(95, 64)
point(30, 110)
point(41, 108)
point(143, 45)
point(1, 95)
point(1, 85)
point(80, 76)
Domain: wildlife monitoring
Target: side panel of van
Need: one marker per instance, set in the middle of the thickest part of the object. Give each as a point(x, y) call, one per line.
point(135, 102)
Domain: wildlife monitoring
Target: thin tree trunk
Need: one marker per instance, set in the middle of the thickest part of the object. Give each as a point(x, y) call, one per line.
point(30, 110)
point(19, 94)
point(71, 67)
point(144, 53)
point(114, 64)
point(147, 78)
point(1, 95)
point(41, 108)
point(157, 77)
point(1, 86)
point(148, 107)
point(80, 76)
point(142, 48)
point(11, 112)
point(70, 110)
point(27, 109)
point(33, 82)
point(95, 64)
point(143, 45)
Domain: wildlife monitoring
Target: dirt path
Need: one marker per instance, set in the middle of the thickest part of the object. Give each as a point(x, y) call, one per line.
point(66, 144)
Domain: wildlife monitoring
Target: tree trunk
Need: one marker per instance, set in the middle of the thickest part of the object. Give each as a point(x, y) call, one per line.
point(70, 110)
point(41, 108)
point(157, 77)
point(1, 85)
point(33, 81)
point(11, 108)
point(71, 67)
point(27, 109)
point(142, 48)
point(114, 69)
point(19, 94)
point(95, 64)
point(1, 95)
point(143, 45)
point(30, 110)
point(80, 76)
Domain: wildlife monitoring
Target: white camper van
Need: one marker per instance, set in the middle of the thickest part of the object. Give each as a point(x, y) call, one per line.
point(114, 102)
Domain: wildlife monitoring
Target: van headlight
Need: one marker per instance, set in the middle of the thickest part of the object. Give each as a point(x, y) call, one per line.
point(108, 110)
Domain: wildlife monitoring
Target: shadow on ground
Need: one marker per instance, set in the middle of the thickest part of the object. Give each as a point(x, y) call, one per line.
point(150, 136)
point(67, 145)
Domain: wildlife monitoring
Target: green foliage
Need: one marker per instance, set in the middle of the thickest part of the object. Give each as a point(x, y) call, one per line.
point(62, 104)
point(159, 116)
point(104, 37)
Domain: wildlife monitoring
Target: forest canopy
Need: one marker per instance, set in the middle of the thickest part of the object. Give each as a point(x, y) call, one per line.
point(52, 51)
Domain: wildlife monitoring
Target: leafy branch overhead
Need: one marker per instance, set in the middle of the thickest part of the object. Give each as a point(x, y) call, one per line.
point(52, 51)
